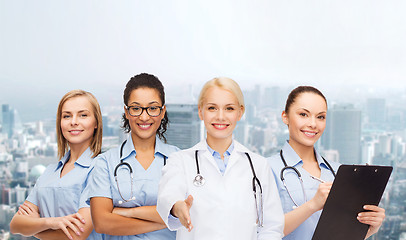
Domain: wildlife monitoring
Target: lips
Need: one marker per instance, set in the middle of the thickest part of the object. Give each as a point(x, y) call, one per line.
point(144, 126)
point(309, 133)
point(220, 126)
point(75, 132)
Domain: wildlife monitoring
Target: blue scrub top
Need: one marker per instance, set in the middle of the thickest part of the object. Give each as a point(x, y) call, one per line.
point(306, 229)
point(57, 196)
point(145, 183)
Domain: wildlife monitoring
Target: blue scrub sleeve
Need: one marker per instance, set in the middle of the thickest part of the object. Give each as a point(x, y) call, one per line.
point(99, 184)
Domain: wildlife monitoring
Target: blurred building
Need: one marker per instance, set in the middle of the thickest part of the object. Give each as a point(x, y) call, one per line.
point(184, 125)
point(343, 133)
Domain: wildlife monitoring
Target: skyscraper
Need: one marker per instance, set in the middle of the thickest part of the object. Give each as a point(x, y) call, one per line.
point(8, 118)
point(184, 125)
point(376, 112)
point(343, 133)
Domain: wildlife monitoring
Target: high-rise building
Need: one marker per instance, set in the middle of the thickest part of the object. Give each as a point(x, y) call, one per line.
point(184, 125)
point(8, 118)
point(343, 133)
point(376, 112)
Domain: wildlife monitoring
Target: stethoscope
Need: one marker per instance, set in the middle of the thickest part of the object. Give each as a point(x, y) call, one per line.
point(299, 176)
point(199, 181)
point(125, 164)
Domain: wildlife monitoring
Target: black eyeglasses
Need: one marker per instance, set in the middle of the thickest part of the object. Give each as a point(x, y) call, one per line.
point(153, 111)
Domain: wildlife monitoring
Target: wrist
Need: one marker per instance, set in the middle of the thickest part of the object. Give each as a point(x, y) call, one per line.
point(313, 206)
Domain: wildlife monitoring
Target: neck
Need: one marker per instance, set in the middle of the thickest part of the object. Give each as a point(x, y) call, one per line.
point(143, 144)
point(306, 153)
point(76, 151)
point(219, 145)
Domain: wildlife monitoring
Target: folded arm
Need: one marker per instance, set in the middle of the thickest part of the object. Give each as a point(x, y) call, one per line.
point(107, 221)
point(28, 222)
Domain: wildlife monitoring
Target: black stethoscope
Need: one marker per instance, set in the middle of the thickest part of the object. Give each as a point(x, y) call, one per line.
point(125, 164)
point(299, 176)
point(199, 181)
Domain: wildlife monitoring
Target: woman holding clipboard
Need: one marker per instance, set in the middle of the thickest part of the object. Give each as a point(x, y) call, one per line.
point(303, 176)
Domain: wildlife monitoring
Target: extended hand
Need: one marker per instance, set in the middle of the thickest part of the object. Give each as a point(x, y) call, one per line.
point(181, 210)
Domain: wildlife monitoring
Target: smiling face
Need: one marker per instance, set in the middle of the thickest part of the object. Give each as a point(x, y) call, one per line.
point(78, 121)
point(306, 119)
point(144, 126)
point(220, 112)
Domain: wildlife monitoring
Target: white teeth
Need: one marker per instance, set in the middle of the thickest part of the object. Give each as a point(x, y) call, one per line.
point(144, 126)
point(310, 134)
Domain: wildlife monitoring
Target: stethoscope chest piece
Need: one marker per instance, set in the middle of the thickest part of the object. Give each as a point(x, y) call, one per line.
point(131, 199)
point(199, 180)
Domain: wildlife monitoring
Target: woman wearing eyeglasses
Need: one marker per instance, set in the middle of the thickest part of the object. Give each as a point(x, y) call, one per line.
point(207, 191)
point(305, 115)
point(56, 208)
point(124, 186)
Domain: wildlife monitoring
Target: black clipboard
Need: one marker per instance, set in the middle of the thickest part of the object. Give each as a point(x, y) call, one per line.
point(353, 187)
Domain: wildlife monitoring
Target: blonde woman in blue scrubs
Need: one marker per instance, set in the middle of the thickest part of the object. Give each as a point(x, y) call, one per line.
point(124, 207)
point(56, 208)
point(305, 115)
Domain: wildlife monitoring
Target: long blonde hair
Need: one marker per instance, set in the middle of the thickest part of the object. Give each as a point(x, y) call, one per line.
point(96, 143)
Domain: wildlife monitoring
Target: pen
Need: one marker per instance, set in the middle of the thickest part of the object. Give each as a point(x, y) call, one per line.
point(317, 179)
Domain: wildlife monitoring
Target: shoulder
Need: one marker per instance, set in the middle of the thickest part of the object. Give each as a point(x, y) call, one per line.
point(275, 162)
point(245, 152)
point(171, 148)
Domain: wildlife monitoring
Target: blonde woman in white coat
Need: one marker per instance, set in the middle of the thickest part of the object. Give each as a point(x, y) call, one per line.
point(206, 192)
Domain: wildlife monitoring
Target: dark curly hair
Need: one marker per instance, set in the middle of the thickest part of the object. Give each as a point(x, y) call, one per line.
point(145, 80)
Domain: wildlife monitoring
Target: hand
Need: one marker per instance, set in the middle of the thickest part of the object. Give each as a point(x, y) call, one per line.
point(26, 209)
point(373, 217)
point(317, 202)
point(181, 210)
point(74, 221)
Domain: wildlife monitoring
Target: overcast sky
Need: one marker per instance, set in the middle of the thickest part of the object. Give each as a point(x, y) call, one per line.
point(50, 47)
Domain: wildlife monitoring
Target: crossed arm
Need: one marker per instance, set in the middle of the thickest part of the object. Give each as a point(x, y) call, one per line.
point(123, 221)
point(27, 222)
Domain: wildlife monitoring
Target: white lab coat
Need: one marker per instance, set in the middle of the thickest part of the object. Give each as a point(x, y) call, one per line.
point(224, 207)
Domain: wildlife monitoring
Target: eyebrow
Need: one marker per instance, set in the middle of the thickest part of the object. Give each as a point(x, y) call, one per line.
point(148, 103)
point(304, 109)
point(80, 111)
point(228, 104)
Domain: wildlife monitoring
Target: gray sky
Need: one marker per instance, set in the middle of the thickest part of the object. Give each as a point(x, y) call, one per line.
point(50, 47)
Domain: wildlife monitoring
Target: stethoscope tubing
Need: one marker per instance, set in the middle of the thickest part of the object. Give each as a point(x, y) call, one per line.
point(122, 163)
point(299, 176)
point(199, 181)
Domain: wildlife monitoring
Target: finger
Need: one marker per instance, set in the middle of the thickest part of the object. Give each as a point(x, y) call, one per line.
point(73, 227)
point(189, 201)
point(22, 210)
point(373, 208)
point(82, 219)
point(65, 230)
point(77, 223)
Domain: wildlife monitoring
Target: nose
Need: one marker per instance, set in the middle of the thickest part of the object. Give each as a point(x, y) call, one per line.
point(144, 115)
point(312, 122)
point(74, 120)
point(220, 114)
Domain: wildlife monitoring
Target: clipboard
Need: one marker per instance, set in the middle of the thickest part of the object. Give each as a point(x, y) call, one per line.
point(353, 187)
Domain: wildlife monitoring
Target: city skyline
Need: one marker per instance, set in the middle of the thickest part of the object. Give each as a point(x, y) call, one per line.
point(49, 48)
